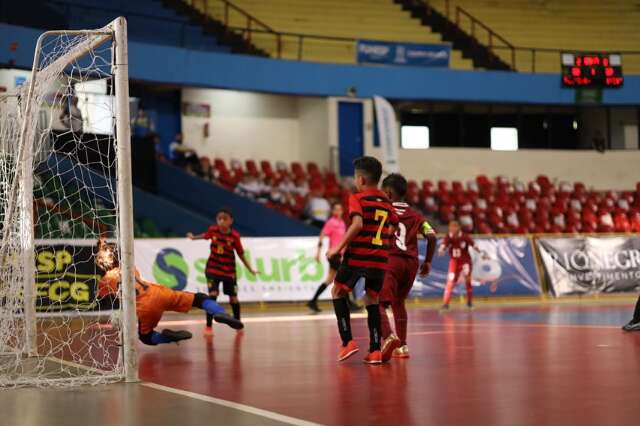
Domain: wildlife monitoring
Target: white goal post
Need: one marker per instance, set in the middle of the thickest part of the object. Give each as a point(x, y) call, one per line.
point(65, 181)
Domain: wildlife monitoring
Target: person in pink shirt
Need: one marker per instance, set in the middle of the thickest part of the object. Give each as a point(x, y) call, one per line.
point(334, 229)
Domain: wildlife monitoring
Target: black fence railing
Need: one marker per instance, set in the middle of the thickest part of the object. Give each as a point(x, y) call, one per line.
point(299, 46)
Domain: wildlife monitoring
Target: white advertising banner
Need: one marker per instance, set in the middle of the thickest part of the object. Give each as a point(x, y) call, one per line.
point(287, 269)
point(387, 128)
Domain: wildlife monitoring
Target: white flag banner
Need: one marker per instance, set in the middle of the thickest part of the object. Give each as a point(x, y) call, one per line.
point(387, 128)
point(287, 270)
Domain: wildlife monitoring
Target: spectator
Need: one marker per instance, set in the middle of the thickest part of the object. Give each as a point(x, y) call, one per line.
point(318, 208)
point(181, 155)
point(142, 125)
point(287, 186)
point(302, 187)
point(249, 187)
point(71, 116)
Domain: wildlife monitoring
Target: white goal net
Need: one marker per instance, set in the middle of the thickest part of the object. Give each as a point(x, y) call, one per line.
point(64, 183)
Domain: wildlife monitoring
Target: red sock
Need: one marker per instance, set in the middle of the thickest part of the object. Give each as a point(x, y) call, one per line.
point(469, 291)
point(447, 292)
point(384, 321)
point(400, 319)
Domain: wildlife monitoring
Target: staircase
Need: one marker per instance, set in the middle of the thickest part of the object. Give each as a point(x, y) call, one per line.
point(235, 40)
point(482, 54)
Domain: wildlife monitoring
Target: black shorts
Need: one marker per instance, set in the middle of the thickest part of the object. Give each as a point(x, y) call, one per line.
point(229, 285)
point(335, 261)
point(348, 276)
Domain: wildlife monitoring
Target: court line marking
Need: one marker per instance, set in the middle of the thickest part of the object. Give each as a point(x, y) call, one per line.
point(234, 405)
point(322, 317)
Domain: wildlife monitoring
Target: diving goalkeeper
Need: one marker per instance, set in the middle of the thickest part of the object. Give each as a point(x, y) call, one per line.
point(152, 300)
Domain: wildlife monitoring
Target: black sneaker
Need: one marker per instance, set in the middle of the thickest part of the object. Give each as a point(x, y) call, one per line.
point(444, 308)
point(469, 305)
point(176, 336)
point(229, 320)
point(313, 305)
point(632, 326)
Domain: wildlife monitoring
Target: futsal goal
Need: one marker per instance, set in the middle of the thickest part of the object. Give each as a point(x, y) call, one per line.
point(65, 181)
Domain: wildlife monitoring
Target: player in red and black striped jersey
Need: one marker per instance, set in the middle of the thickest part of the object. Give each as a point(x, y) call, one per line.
point(367, 243)
point(402, 266)
point(221, 266)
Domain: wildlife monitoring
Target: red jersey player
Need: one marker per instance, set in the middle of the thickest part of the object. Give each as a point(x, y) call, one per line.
point(367, 242)
point(221, 266)
point(402, 266)
point(458, 244)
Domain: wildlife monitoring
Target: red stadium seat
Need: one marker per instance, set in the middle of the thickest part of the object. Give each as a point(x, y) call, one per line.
point(427, 186)
point(634, 221)
point(252, 168)
point(219, 164)
point(621, 222)
point(267, 170)
point(297, 170)
point(447, 213)
point(313, 169)
point(483, 228)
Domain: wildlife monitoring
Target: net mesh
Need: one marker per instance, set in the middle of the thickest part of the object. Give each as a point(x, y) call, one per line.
point(57, 197)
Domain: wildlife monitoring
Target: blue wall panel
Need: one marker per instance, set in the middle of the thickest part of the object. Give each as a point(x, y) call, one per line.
point(180, 66)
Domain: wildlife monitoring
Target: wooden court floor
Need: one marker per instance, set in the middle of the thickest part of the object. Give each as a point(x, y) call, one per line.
point(551, 364)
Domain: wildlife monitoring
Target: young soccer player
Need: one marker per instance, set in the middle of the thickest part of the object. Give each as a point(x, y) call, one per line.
point(221, 266)
point(152, 300)
point(402, 266)
point(458, 244)
point(334, 229)
point(367, 242)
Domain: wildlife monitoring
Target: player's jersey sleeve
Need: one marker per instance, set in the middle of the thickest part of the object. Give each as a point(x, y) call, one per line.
point(237, 244)
point(394, 219)
point(327, 228)
point(208, 233)
point(355, 208)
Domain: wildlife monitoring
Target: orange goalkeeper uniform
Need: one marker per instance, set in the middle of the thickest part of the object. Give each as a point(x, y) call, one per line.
point(152, 299)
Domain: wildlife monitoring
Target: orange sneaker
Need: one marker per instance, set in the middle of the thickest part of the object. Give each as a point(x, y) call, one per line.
point(374, 357)
point(389, 345)
point(208, 332)
point(347, 351)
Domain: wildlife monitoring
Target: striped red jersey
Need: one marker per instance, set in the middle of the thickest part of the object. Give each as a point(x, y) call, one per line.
point(458, 245)
point(411, 223)
point(222, 260)
point(370, 248)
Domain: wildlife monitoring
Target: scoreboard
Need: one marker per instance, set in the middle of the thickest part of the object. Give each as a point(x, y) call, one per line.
point(592, 70)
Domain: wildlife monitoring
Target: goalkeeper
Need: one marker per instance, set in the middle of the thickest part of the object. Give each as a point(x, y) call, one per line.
point(152, 300)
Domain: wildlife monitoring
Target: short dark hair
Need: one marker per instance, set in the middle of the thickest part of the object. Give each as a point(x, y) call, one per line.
point(225, 210)
point(336, 203)
point(397, 183)
point(370, 168)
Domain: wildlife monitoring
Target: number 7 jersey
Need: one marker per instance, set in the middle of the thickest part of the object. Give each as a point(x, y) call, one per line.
point(411, 223)
point(370, 248)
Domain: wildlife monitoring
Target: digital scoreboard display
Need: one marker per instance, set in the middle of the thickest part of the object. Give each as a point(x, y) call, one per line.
point(592, 70)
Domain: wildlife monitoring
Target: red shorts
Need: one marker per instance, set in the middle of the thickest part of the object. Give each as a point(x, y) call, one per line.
point(401, 273)
point(459, 267)
point(154, 300)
